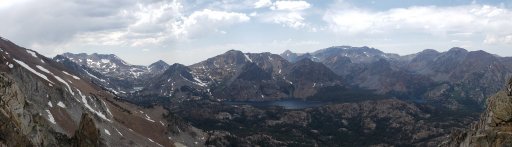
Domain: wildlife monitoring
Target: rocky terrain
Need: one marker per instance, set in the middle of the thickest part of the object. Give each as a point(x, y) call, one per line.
point(43, 103)
point(493, 129)
point(378, 122)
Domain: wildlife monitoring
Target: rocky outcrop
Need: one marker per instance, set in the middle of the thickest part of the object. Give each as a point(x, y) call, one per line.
point(494, 128)
point(87, 133)
point(11, 107)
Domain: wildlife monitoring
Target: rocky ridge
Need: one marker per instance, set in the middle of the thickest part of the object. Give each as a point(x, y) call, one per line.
point(494, 128)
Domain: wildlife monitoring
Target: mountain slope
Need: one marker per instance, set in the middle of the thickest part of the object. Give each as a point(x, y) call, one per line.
point(43, 103)
point(494, 127)
point(454, 79)
point(262, 76)
point(111, 72)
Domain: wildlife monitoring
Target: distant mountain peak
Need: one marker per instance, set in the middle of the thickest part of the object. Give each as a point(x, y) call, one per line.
point(457, 49)
point(287, 52)
point(159, 63)
point(430, 50)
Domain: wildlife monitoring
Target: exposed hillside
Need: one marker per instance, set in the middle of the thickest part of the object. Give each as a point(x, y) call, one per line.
point(494, 127)
point(43, 103)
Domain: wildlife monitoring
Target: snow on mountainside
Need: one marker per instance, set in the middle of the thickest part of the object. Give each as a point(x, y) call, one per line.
point(43, 103)
point(112, 72)
point(110, 65)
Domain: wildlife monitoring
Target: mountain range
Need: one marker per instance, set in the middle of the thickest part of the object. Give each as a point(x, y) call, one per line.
point(362, 97)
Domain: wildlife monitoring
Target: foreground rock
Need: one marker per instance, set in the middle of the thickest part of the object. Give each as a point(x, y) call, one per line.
point(494, 127)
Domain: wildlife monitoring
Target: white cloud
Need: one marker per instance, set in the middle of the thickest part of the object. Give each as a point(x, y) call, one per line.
point(292, 20)
point(58, 21)
point(286, 13)
point(461, 21)
point(290, 5)
point(206, 20)
point(494, 39)
point(129, 23)
point(262, 3)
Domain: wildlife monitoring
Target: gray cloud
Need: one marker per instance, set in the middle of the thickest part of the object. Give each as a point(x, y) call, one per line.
point(57, 21)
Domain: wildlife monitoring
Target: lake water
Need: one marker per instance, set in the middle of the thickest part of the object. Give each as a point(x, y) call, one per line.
point(287, 104)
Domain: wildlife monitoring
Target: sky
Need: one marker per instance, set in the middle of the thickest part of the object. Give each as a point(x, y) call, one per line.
point(189, 31)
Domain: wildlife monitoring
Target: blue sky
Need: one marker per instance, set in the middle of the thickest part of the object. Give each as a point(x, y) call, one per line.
point(190, 31)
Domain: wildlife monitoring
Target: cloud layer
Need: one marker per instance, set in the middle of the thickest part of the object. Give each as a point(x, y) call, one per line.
point(461, 21)
point(179, 26)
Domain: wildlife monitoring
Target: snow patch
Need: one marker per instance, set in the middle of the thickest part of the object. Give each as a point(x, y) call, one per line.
point(56, 77)
point(94, 76)
point(247, 58)
point(162, 123)
point(32, 53)
point(65, 83)
point(108, 110)
point(199, 82)
point(118, 132)
point(149, 118)
point(10, 65)
point(75, 77)
point(107, 132)
point(60, 104)
point(43, 69)
point(84, 100)
point(105, 60)
point(50, 117)
point(32, 70)
point(50, 104)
